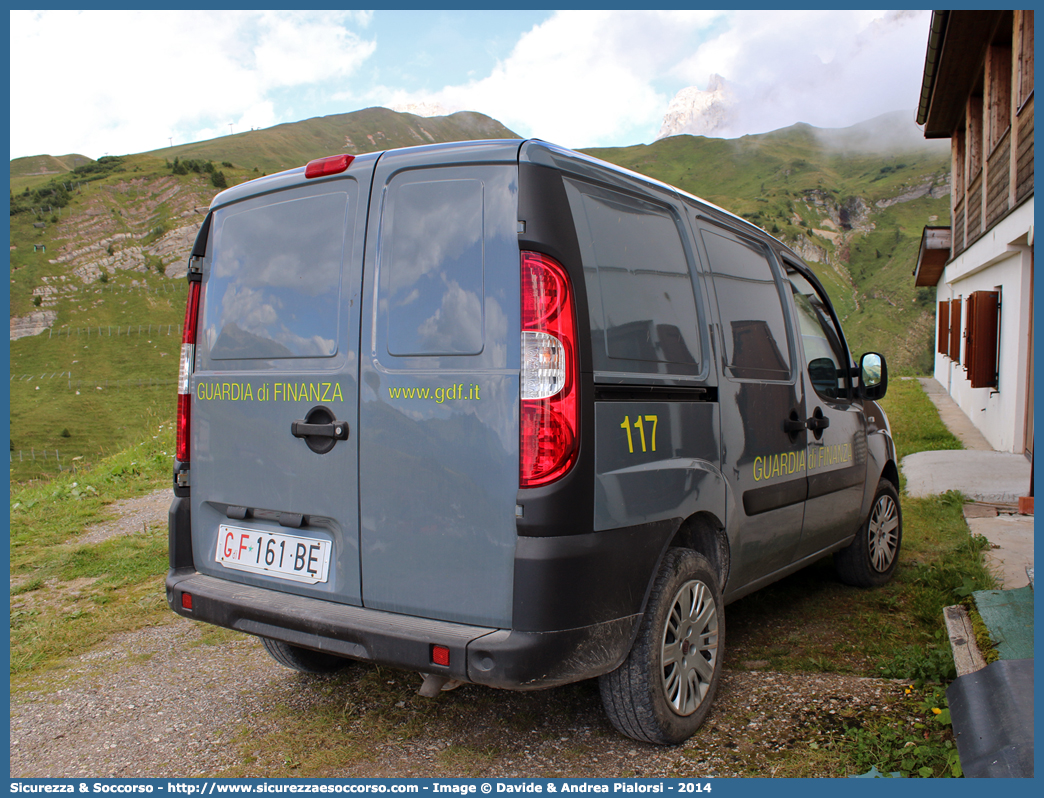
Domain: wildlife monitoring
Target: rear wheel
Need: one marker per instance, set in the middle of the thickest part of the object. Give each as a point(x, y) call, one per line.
point(663, 690)
point(303, 659)
point(870, 559)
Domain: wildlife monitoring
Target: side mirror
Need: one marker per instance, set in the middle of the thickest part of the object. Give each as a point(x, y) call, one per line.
point(873, 376)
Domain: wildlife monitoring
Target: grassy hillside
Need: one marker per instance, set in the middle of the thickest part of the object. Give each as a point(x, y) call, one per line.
point(37, 169)
point(285, 146)
point(853, 212)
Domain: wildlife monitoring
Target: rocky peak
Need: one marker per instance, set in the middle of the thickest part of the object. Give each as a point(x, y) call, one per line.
point(700, 112)
point(421, 109)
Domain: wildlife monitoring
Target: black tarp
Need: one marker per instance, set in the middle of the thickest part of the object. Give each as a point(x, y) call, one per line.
point(992, 715)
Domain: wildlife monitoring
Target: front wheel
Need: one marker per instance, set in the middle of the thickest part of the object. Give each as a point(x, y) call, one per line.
point(871, 559)
point(663, 690)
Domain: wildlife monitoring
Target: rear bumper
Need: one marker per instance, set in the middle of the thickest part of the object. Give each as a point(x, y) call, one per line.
point(494, 657)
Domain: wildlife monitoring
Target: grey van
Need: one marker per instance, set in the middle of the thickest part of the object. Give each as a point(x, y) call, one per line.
point(500, 413)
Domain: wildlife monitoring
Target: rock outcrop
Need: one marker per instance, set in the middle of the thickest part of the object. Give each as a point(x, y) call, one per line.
point(33, 324)
point(929, 187)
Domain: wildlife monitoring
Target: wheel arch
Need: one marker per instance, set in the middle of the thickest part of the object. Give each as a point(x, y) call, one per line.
point(705, 534)
point(701, 532)
point(891, 473)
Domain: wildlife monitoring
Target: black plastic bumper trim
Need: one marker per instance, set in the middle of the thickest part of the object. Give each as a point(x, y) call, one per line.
point(493, 657)
point(179, 533)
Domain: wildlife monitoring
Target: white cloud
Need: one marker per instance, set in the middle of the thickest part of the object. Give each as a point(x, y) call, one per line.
point(826, 68)
point(580, 78)
point(127, 80)
point(585, 78)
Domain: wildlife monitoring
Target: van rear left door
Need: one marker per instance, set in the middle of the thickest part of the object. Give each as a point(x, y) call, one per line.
point(275, 504)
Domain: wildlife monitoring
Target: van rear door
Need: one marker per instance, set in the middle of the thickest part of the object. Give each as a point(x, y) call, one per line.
point(274, 409)
point(438, 424)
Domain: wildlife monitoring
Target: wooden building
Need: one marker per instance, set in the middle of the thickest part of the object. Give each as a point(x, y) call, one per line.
point(977, 91)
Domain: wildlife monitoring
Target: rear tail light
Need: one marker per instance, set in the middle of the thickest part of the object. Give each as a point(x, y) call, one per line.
point(188, 355)
point(549, 419)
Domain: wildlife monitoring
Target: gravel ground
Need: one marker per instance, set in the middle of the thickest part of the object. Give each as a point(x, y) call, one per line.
point(132, 515)
point(169, 701)
point(161, 703)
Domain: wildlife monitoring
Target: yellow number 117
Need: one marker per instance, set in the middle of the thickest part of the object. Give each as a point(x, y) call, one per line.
point(640, 426)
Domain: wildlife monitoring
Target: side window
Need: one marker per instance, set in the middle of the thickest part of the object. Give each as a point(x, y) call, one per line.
point(824, 349)
point(431, 266)
point(750, 307)
point(639, 286)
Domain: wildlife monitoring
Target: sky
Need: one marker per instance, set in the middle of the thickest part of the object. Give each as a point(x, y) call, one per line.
point(120, 82)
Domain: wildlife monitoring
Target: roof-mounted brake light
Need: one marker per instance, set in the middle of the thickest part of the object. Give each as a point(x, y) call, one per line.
point(332, 165)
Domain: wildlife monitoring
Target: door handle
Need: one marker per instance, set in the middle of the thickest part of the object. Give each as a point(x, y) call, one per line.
point(818, 422)
point(320, 429)
point(335, 429)
point(792, 426)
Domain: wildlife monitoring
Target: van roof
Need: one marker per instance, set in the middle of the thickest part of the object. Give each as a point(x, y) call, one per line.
point(534, 151)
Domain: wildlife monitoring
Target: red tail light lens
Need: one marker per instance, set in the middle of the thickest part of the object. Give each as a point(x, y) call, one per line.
point(549, 419)
point(440, 655)
point(332, 165)
point(188, 355)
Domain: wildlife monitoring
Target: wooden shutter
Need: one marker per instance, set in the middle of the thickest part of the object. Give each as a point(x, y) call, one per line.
point(955, 330)
point(981, 347)
point(943, 345)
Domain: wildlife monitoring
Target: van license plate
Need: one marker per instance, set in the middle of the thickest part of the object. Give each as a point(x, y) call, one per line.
point(283, 556)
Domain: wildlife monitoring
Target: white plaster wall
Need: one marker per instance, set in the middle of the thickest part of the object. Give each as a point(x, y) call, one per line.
point(1000, 260)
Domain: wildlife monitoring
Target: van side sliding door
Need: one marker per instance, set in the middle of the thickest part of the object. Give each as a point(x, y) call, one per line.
point(762, 407)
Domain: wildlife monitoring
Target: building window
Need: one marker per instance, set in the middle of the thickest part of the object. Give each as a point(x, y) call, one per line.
point(955, 330)
point(980, 346)
point(943, 345)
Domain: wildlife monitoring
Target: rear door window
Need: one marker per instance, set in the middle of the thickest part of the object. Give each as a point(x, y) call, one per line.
point(639, 286)
point(431, 265)
point(275, 276)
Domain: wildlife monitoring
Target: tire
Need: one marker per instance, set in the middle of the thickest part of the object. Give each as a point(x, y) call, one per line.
point(663, 691)
point(303, 659)
point(871, 559)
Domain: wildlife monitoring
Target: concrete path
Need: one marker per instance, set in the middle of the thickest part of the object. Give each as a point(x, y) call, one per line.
point(998, 477)
point(1011, 546)
point(953, 417)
